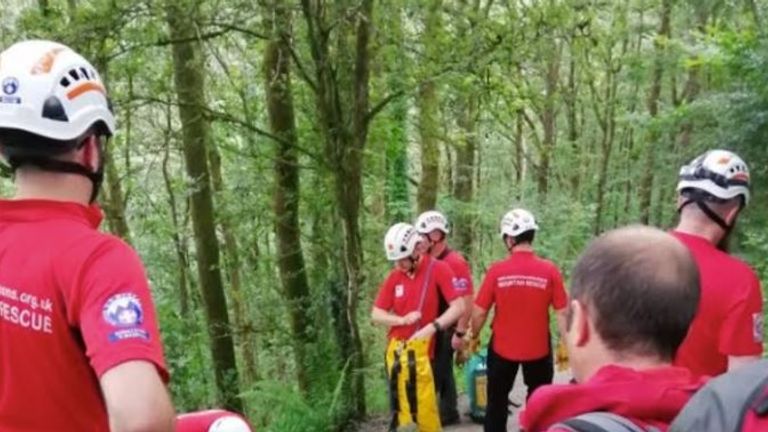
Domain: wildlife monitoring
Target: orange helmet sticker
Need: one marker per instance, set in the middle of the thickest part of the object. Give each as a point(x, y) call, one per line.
point(724, 160)
point(44, 65)
point(85, 87)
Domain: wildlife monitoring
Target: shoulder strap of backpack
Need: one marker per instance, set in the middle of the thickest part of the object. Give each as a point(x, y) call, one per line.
point(756, 402)
point(425, 285)
point(601, 421)
point(722, 404)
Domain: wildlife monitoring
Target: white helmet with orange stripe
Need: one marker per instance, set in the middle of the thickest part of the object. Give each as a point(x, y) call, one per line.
point(719, 173)
point(49, 90)
point(400, 241)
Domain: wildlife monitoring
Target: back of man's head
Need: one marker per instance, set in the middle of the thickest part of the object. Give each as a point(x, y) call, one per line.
point(640, 288)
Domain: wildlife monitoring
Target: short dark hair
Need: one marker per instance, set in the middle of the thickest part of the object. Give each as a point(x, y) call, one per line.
point(641, 287)
point(525, 237)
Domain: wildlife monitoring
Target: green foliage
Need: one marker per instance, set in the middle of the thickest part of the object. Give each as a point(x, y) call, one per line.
point(496, 55)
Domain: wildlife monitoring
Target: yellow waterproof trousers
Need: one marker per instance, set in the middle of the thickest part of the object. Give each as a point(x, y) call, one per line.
point(412, 386)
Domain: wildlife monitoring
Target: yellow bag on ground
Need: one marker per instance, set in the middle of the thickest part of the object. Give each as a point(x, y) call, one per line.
point(412, 386)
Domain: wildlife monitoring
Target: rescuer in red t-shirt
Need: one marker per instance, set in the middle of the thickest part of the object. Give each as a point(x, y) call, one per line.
point(728, 328)
point(522, 288)
point(433, 227)
point(79, 344)
point(399, 304)
point(633, 295)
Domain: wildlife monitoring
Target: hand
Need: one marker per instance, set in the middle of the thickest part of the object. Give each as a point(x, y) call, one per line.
point(474, 345)
point(457, 342)
point(425, 332)
point(561, 357)
point(461, 357)
point(411, 318)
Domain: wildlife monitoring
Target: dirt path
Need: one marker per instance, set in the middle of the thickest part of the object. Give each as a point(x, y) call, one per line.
point(517, 396)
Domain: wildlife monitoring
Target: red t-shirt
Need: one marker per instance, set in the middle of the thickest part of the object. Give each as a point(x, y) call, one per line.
point(73, 304)
point(650, 398)
point(401, 294)
point(729, 321)
point(211, 421)
point(463, 274)
point(522, 287)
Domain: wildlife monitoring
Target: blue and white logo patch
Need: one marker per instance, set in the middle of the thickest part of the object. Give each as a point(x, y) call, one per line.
point(757, 327)
point(10, 86)
point(123, 310)
point(460, 284)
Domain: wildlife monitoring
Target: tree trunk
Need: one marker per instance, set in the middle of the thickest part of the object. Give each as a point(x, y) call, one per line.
point(573, 131)
point(189, 78)
point(398, 207)
point(755, 11)
point(113, 203)
point(290, 254)
point(465, 172)
point(520, 162)
point(428, 110)
point(646, 183)
point(548, 118)
point(243, 326)
point(343, 109)
point(180, 246)
point(693, 84)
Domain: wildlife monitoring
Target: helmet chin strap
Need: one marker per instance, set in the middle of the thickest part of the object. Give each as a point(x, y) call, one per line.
point(55, 165)
point(506, 243)
point(710, 214)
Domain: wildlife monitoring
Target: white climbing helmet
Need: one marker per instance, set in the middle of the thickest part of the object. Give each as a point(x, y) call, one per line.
point(432, 220)
point(231, 423)
point(400, 241)
point(516, 222)
point(49, 90)
point(720, 173)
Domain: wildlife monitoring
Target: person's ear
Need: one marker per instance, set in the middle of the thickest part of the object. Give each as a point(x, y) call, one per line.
point(731, 213)
point(579, 333)
point(508, 242)
point(89, 154)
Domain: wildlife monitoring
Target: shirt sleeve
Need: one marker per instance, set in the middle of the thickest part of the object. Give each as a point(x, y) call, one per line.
point(559, 297)
point(742, 330)
point(446, 281)
point(485, 297)
point(385, 299)
point(463, 275)
point(116, 313)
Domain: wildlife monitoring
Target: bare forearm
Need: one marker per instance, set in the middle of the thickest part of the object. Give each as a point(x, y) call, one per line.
point(479, 316)
point(450, 316)
point(382, 317)
point(561, 327)
point(463, 324)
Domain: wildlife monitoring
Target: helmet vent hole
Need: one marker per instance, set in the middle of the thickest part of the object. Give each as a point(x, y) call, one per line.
point(74, 75)
point(53, 110)
point(84, 73)
point(64, 82)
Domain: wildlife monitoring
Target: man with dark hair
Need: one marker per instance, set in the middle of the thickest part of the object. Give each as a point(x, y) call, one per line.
point(634, 293)
point(522, 287)
point(433, 227)
point(728, 329)
point(79, 345)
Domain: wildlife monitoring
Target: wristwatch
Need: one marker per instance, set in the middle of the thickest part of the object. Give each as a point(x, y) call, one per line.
point(437, 325)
